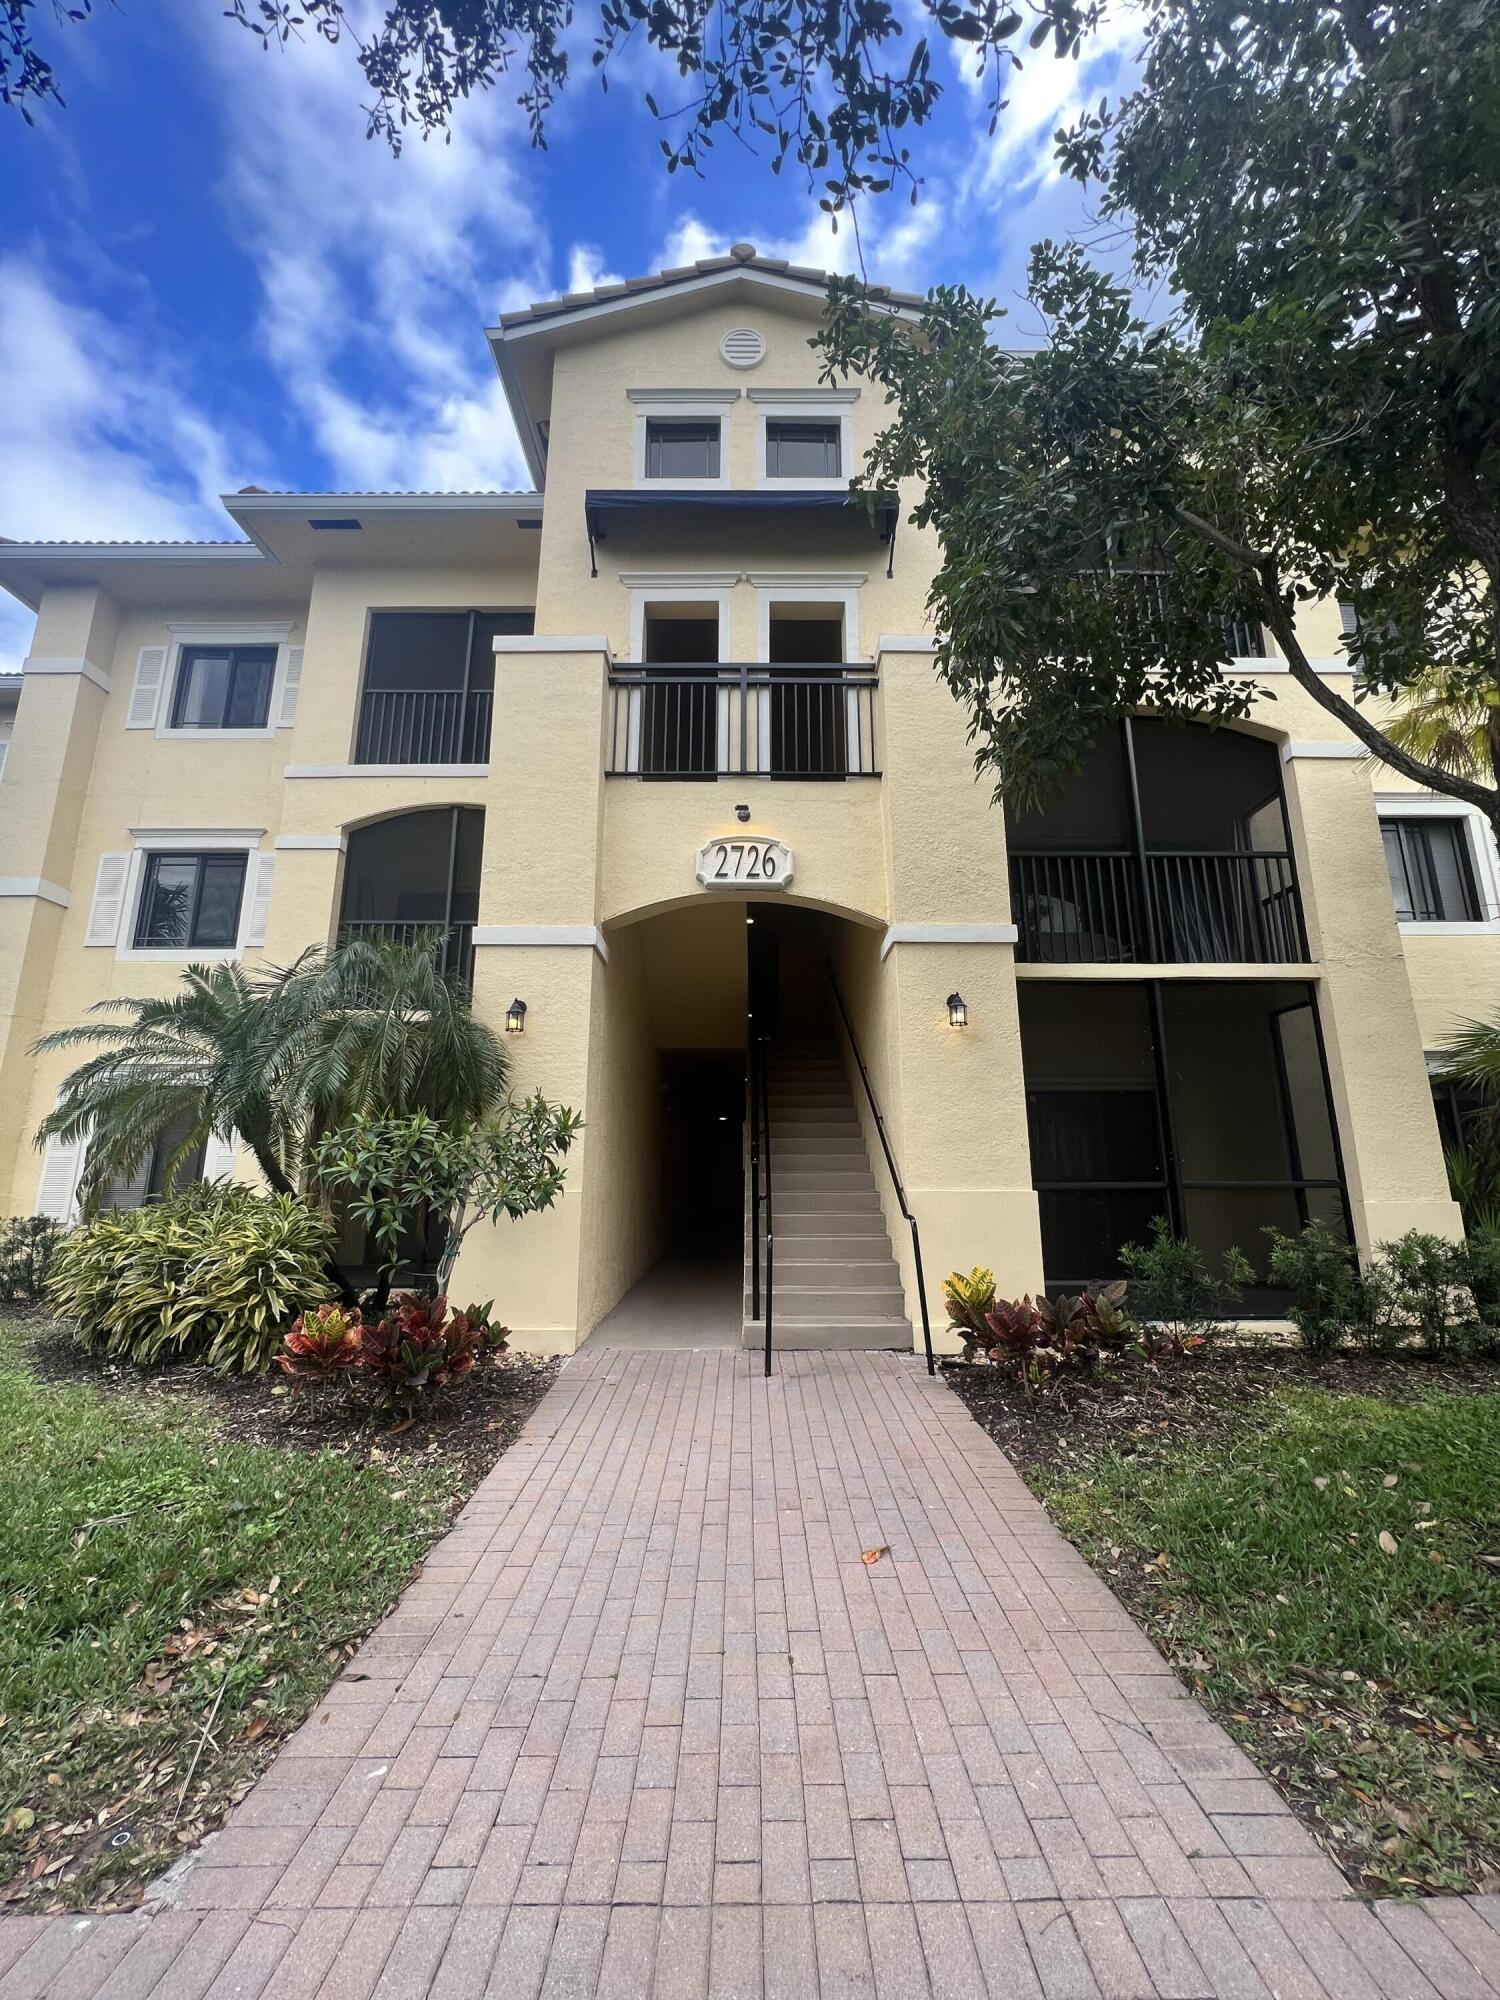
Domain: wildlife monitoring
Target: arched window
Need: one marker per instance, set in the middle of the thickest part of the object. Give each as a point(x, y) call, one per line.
point(415, 876)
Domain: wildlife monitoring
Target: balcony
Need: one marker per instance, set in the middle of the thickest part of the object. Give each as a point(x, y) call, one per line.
point(416, 725)
point(455, 957)
point(1187, 907)
point(702, 722)
point(413, 878)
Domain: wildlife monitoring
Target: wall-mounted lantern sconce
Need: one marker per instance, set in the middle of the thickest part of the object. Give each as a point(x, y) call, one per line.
point(742, 814)
point(958, 1011)
point(515, 1018)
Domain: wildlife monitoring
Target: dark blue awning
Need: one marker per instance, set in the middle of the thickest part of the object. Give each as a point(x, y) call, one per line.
point(602, 505)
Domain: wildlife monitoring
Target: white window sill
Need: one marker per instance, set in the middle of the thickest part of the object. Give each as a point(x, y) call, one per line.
point(645, 485)
point(767, 484)
point(213, 954)
point(263, 735)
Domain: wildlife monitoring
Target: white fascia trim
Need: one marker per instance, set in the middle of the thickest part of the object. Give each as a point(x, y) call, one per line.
point(947, 934)
point(543, 935)
point(808, 579)
point(188, 552)
point(383, 503)
point(35, 886)
point(310, 843)
point(1332, 752)
point(61, 663)
point(675, 398)
point(680, 579)
point(386, 771)
point(520, 642)
point(629, 301)
point(905, 642)
point(1389, 804)
point(200, 836)
point(804, 398)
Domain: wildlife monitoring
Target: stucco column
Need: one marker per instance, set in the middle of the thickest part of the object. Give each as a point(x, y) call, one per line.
point(1393, 1160)
point(63, 695)
point(537, 940)
point(959, 1093)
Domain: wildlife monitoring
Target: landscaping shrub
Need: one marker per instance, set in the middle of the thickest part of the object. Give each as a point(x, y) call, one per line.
point(324, 1343)
point(1428, 1283)
point(27, 1246)
point(1173, 1292)
point(1331, 1296)
point(968, 1299)
point(215, 1275)
point(417, 1345)
point(1038, 1339)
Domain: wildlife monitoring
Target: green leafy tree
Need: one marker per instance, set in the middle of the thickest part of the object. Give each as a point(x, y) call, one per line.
point(1316, 184)
point(399, 1176)
point(834, 89)
point(278, 1057)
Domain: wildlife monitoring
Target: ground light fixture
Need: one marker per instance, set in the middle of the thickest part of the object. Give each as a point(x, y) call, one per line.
point(958, 1011)
point(515, 1018)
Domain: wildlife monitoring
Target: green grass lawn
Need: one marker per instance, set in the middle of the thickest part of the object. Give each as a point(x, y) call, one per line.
point(169, 1604)
point(1325, 1568)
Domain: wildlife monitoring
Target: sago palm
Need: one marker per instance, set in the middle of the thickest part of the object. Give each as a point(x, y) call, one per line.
point(279, 1058)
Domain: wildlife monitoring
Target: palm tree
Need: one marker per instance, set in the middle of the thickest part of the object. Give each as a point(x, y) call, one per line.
point(279, 1058)
point(1455, 729)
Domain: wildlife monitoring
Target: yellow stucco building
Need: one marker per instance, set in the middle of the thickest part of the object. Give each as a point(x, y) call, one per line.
point(659, 749)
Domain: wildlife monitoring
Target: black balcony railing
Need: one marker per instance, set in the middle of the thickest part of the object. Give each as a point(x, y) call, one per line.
point(423, 726)
point(455, 942)
point(703, 722)
point(1177, 908)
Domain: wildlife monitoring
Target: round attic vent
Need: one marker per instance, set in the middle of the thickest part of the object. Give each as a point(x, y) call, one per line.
point(743, 347)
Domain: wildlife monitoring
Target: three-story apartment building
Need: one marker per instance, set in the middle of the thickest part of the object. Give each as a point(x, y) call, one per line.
point(657, 750)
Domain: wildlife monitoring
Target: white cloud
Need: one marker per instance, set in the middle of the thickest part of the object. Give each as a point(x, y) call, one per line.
point(586, 269)
point(1043, 94)
point(97, 440)
point(377, 274)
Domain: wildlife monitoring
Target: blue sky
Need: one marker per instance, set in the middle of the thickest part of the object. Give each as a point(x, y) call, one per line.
point(209, 278)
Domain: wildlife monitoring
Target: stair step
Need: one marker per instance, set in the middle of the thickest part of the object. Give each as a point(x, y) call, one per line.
point(791, 1178)
point(803, 1336)
point(822, 1200)
point(796, 1223)
point(825, 1250)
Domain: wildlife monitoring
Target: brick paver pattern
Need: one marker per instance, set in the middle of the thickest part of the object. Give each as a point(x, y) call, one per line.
point(648, 1724)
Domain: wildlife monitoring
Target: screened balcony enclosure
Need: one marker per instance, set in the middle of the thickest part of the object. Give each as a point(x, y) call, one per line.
point(1205, 1102)
point(1170, 848)
point(429, 685)
point(413, 879)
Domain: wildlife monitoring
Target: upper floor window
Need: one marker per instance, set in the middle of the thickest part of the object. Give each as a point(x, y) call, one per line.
point(1432, 876)
point(223, 687)
point(190, 900)
point(682, 447)
point(429, 685)
point(798, 449)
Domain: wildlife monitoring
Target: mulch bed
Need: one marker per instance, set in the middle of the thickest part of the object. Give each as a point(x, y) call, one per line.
point(467, 1427)
point(1119, 1410)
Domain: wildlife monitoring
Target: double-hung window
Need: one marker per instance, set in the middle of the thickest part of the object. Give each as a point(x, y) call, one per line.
point(682, 448)
point(223, 687)
point(190, 901)
point(1432, 877)
point(798, 448)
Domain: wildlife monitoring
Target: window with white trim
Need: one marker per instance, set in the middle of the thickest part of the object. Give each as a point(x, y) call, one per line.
point(190, 901)
point(683, 449)
point(223, 687)
point(804, 448)
point(1431, 868)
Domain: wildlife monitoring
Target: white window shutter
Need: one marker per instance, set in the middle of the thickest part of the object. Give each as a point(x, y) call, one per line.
point(290, 687)
point(263, 873)
point(145, 696)
point(108, 905)
point(218, 1157)
point(58, 1187)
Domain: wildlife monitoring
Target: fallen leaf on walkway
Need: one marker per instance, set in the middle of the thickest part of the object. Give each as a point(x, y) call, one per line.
point(874, 1555)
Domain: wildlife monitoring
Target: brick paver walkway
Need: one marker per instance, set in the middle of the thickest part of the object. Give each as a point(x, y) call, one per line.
point(648, 1725)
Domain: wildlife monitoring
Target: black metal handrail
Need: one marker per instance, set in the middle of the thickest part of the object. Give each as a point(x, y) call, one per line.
point(1178, 906)
point(455, 942)
point(890, 1161)
point(762, 1190)
point(423, 726)
point(749, 720)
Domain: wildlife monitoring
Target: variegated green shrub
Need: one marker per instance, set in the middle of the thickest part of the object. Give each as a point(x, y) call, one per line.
point(215, 1275)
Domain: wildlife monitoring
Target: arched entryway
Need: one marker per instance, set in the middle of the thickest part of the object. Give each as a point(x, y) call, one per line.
point(691, 990)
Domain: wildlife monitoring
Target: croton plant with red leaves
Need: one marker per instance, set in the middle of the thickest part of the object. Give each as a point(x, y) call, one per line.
point(417, 1345)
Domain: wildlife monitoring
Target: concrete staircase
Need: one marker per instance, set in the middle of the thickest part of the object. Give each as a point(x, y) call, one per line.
point(837, 1284)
